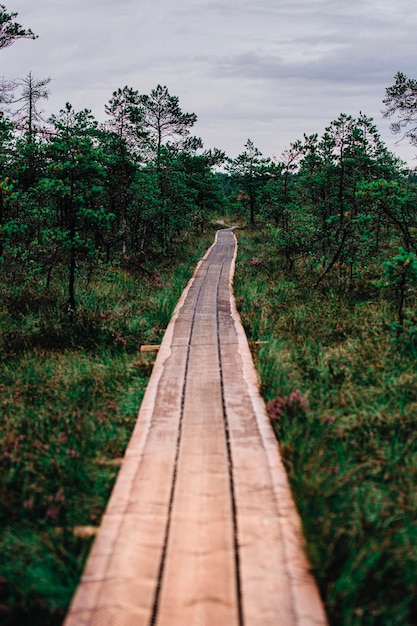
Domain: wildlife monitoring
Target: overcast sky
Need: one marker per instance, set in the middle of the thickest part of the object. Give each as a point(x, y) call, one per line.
point(268, 70)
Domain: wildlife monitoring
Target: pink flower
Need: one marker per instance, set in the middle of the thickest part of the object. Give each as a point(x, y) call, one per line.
point(275, 408)
point(292, 405)
point(59, 496)
point(53, 513)
point(118, 339)
point(28, 504)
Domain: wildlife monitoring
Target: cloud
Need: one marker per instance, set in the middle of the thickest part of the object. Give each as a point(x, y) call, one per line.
point(270, 69)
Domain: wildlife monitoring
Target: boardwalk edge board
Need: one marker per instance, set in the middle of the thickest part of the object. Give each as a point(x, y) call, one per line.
point(307, 602)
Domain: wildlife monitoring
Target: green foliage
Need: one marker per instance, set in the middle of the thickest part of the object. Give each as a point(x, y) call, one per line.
point(297, 237)
point(400, 100)
point(83, 196)
point(342, 397)
point(34, 573)
point(401, 274)
point(125, 122)
point(247, 170)
point(75, 178)
point(10, 30)
point(333, 199)
point(164, 120)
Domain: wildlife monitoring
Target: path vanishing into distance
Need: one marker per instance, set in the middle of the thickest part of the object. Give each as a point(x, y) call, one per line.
point(201, 528)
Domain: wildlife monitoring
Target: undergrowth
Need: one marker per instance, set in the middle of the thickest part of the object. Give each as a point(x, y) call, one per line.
point(341, 389)
point(69, 397)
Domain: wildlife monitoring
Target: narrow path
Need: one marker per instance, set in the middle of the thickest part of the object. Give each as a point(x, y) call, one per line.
point(200, 529)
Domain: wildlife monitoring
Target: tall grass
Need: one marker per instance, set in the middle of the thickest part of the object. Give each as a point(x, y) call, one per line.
point(342, 394)
point(69, 397)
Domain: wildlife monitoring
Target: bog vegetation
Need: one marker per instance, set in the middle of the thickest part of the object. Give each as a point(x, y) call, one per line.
point(101, 225)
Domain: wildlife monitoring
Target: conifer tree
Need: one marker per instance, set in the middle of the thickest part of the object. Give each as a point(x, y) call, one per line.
point(10, 30)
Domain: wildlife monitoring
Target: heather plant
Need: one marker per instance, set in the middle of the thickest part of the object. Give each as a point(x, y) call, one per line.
point(284, 409)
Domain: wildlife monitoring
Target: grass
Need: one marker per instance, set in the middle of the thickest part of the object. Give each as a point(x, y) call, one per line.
point(70, 396)
point(342, 394)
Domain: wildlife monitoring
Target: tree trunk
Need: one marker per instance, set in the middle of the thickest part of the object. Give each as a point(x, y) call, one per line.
point(72, 265)
point(251, 204)
point(335, 258)
point(1, 221)
point(71, 286)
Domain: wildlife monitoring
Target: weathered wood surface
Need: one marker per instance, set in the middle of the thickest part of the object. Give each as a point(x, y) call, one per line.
point(201, 529)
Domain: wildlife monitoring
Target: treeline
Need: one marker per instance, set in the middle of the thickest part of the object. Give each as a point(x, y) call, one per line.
point(340, 206)
point(73, 191)
point(333, 199)
point(76, 194)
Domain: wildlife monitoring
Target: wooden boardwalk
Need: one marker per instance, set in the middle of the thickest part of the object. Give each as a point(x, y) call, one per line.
point(200, 529)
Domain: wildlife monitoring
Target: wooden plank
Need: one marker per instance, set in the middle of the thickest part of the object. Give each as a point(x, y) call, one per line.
point(277, 585)
point(199, 585)
point(150, 348)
